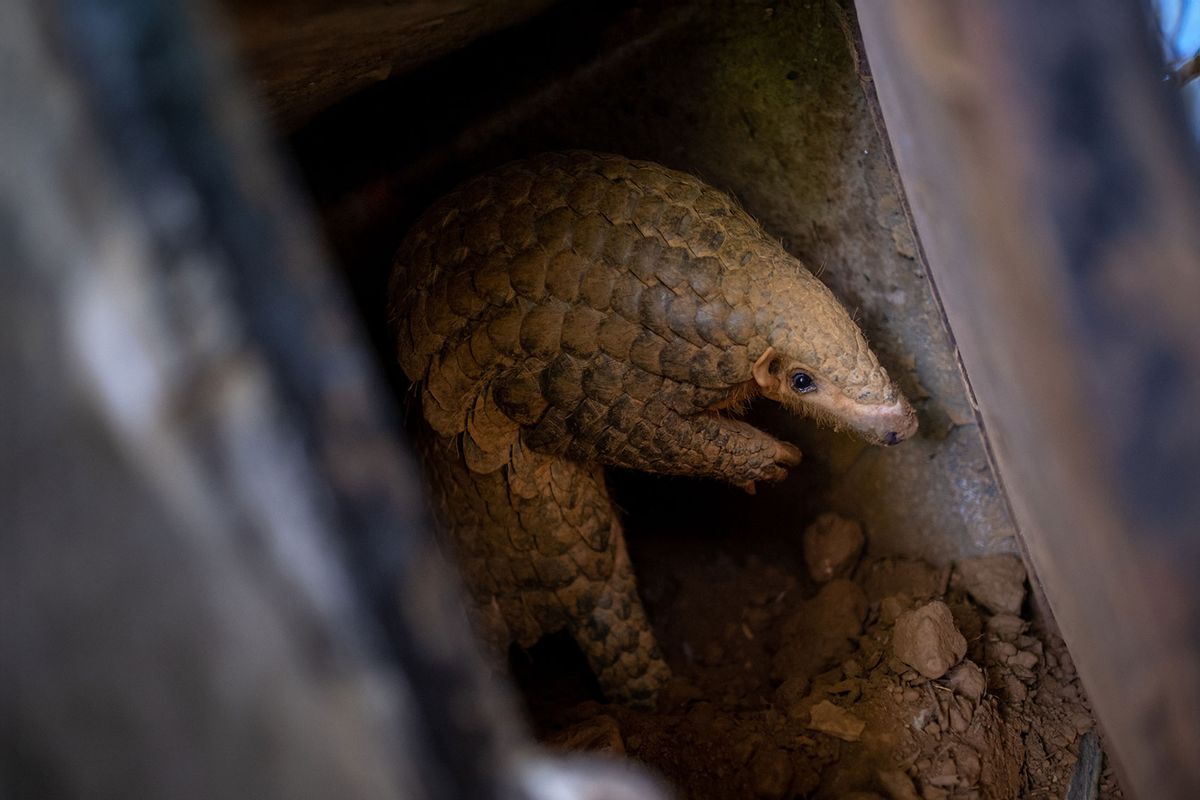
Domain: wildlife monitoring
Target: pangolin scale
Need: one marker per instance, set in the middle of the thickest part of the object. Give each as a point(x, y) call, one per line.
point(577, 310)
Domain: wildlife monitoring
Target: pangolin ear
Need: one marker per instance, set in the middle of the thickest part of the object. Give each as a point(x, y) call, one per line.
point(766, 371)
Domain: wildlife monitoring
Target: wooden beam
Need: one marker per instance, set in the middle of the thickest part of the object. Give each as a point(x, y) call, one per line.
point(1056, 193)
point(306, 56)
point(215, 576)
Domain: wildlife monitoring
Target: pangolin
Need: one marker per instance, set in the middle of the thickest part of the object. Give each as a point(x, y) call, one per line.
point(576, 310)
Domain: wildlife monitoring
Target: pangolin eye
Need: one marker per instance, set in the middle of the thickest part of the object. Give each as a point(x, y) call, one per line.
point(803, 382)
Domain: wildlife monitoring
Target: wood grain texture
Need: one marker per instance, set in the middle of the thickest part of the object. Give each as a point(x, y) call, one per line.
point(306, 56)
point(215, 577)
point(1055, 190)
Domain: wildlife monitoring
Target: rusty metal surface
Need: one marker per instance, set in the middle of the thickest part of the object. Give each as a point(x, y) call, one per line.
point(1057, 196)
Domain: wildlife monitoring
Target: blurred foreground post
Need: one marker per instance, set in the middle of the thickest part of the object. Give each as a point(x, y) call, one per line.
point(1055, 188)
point(215, 581)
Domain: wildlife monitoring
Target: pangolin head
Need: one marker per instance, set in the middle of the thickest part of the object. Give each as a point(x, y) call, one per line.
point(818, 363)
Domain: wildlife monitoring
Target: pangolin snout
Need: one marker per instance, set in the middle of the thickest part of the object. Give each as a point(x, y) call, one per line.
point(891, 424)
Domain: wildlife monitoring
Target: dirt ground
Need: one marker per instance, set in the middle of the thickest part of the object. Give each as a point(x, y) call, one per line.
point(788, 681)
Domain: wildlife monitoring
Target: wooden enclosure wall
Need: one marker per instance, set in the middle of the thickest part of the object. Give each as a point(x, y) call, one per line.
point(1054, 186)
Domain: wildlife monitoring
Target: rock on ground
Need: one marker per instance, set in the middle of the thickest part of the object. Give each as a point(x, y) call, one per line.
point(823, 632)
point(1006, 626)
point(832, 545)
point(967, 679)
point(835, 721)
point(898, 785)
point(927, 640)
point(791, 691)
point(1004, 724)
point(995, 582)
point(771, 773)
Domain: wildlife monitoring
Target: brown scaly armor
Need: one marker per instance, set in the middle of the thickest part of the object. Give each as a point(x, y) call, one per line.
point(577, 310)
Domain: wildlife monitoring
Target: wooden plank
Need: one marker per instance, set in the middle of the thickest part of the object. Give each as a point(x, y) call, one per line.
point(1055, 190)
point(215, 577)
point(306, 56)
